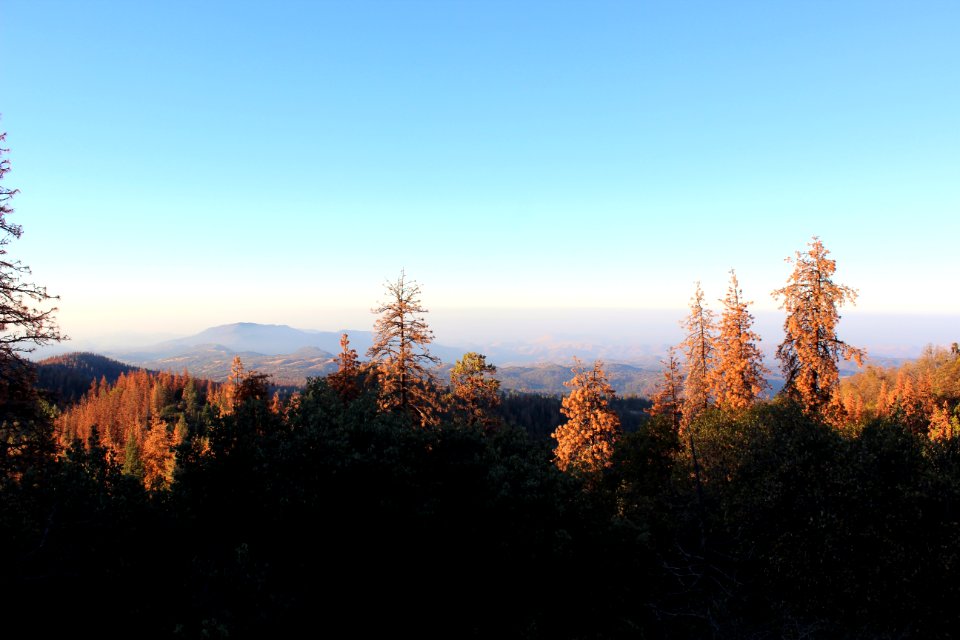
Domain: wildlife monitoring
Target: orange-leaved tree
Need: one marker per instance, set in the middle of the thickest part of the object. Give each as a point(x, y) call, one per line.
point(400, 355)
point(475, 390)
point(738, 379)
point(668, 398)
point(811, 350)
point(698, 349)
point(585, 442)
point(345, 381)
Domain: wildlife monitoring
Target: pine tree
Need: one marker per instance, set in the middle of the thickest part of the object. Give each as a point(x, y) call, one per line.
point(668, 398)
point(811, 349)
point(738, 379)
point(346, 380)
point(885, 401)
point(157, 456)
point(400, 354)
point(27, 436)
point(241, 385)
point(231, 391)
point(699, 356)
point(585, 442)
point(942, 425)
point(132, 461)
point(475, 390)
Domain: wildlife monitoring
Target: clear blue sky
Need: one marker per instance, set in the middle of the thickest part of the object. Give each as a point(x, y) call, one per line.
point(184, 164)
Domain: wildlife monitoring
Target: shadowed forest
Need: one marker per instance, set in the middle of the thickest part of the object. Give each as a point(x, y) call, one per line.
point(381, 500)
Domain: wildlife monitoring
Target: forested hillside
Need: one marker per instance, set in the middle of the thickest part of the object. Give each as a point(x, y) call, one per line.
point(923, 394)
point(68, 377)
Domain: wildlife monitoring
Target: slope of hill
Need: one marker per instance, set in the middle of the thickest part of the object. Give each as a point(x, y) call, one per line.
point(69, 376)
point(628, 380)
point(213, 362)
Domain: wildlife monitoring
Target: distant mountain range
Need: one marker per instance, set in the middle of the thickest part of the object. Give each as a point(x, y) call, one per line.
point(255, 340)
point(291, 355)
point(249, 337)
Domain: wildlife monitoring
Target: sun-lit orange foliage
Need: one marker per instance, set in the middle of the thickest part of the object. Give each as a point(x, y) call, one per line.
point(668, 398)
point(884, 402)
point(585, 442)
point(853, 407)
point(699, 351)
point(943, 426)
point(345, 380)
point(738, 379)
point(399, 354)
point(148, 408)
point(475, 391)
point(157, 455)
point(241, 385)
point(811, 349)
point(921, 394)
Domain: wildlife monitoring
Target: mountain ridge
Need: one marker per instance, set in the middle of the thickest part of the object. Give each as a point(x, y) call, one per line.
point(290, 356)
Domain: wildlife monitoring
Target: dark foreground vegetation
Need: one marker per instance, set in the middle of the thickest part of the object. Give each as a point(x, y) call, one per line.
point(338, 518)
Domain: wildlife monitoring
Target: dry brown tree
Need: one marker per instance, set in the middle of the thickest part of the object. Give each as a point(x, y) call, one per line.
point(585, 442)
point(811, 350)
point(402, 361)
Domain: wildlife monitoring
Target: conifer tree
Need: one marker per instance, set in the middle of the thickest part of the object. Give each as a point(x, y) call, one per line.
point(698, 348)
point(345, 380)
point(585, 442)
point(276, 404)
point(943, 426)
point(26, 432)
point(400, 355)
point(475, 390)
point(241, 385)
point(157, 456)
point(811, 350)
point(668, 398)
point(738, 379)
point(885, 401)
point(132, 461)
point(232, 389)
point(24, 323)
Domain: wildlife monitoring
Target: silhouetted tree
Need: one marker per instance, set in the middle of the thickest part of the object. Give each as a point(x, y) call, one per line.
point(26, 431)
point(24, 324)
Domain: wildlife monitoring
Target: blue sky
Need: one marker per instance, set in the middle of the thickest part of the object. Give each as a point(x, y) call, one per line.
point(188, 164)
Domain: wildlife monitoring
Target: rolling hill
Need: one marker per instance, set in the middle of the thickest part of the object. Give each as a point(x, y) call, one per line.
point(69, 376)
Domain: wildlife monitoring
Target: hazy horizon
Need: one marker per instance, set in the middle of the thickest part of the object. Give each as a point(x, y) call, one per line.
point(238, 161)
point(631, 332)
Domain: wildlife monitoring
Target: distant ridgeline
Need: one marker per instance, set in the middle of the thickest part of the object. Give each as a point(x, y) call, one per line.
point(69, 376)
